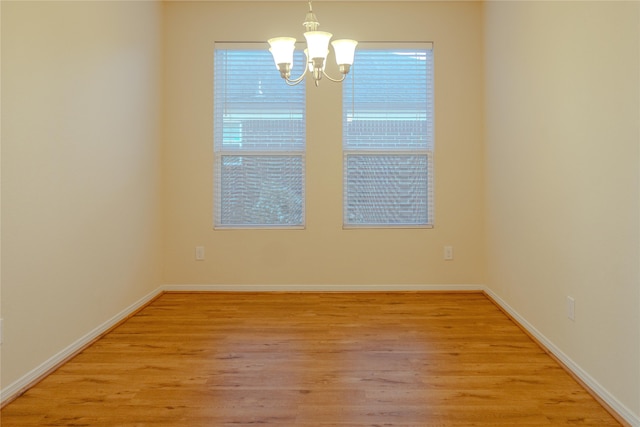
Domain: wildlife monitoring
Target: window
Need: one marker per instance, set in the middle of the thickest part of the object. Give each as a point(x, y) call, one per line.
point(388, 138)
point(259, 142)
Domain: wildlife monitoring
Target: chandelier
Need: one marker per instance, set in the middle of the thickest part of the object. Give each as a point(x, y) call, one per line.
point(316, 52)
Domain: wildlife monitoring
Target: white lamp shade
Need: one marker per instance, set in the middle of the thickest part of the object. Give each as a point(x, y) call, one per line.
point(344, 50)
point(282, 50)
point(317, 43)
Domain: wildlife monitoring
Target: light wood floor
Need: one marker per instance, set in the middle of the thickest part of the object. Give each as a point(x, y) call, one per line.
point(311, 360)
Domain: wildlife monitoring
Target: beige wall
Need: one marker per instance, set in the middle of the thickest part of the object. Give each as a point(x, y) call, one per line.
point(80, 170)
point(323, 253)
point(551, 158)
point(562, 140)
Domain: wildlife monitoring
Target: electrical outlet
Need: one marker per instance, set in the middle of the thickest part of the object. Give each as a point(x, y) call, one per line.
point(199, 253)
point(448, 253)
point(571, 308)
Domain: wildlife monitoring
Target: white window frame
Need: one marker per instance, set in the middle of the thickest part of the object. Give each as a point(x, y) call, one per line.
point(427, 151)
point(222, 151)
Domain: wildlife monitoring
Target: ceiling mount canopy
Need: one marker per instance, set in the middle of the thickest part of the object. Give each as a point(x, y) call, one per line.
point(282, 49)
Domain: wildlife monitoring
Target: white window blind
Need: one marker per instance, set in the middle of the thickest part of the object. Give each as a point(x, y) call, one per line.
point(259, 142)
point(388, 138)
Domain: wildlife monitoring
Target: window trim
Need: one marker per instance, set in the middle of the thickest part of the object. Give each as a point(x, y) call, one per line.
point(219, 153)
point(429, 151)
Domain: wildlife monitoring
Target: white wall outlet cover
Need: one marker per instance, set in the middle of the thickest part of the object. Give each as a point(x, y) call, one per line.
point(571, 308)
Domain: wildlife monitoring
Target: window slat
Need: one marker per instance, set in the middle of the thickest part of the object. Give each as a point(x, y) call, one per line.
point(259, 142)
point(388, 139)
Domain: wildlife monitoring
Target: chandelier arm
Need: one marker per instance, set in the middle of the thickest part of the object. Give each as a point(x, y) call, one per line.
point(293, 82)
point(332, 79)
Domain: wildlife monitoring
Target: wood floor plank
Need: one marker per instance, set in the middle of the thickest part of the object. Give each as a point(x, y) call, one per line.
point(311, 359)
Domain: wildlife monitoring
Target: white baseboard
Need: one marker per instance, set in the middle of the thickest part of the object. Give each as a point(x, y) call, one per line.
point(319, 288)
point(624, 412)
point(19, 386)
